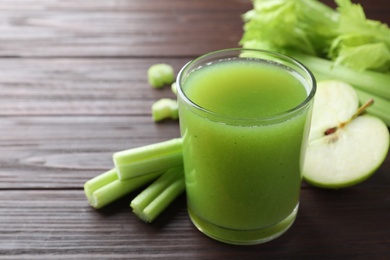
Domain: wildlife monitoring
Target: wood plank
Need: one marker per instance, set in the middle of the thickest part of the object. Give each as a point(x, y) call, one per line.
point(109, 28)
point(123, 5)
point(64, 152)
point(119, 28)
point(80, 86)
point(349, 224)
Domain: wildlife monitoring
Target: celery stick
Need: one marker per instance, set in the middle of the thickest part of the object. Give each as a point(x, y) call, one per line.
point(117, 189)
point(156, 157)
point(99, 181)
point(145, 197)
point(157, 206)
point(156, 198)
point(165, 108)
point(373, 82)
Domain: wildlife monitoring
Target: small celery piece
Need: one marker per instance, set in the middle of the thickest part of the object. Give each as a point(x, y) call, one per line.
point(156, 197)
point(160, 75)
point(174, 88)
point(165, 108)
point(157, 157)
point(106, 188)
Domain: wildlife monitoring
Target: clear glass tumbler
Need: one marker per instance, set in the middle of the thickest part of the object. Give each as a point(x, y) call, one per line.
point(244, 119)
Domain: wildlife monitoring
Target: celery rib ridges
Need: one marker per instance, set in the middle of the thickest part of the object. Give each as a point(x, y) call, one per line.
point(156, 198)
point(106, 187)
point(148, 159)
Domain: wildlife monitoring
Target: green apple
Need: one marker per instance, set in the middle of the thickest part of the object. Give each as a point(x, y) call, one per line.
point(344, 146)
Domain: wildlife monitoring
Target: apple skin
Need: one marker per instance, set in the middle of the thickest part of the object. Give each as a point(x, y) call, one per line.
point(353, 152)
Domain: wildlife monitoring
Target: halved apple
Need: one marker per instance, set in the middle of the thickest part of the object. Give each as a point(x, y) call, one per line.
point(344, 147)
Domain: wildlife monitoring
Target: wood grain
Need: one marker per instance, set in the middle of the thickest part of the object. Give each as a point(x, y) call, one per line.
point(79, 86)
point(132, 28)
point(66, 227)
point(65, 151)
point(119, 28)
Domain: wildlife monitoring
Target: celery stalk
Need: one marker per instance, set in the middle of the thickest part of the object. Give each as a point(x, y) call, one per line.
point(156, 198)
point(156, 157)
point(106, 188)
point(370, 81)
point(368, 84)
point(99, 181)
point(379, 107)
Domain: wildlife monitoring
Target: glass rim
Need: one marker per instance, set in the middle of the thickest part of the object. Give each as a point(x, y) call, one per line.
point(302, 105)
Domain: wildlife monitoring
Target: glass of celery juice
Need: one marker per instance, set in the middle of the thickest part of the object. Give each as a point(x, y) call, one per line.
point(244, 120)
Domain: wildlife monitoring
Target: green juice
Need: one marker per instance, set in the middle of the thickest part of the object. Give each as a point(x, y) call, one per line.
point(242, 151)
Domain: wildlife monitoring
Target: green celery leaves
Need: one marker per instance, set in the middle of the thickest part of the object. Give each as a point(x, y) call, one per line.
point(343, 35)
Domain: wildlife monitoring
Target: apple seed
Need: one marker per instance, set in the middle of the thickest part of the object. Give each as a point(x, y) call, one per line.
point(358, 112)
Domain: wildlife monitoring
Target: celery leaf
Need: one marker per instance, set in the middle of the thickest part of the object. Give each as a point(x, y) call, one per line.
point(343, 35)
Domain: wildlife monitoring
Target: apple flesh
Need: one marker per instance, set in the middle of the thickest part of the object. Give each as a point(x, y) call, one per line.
point(344, 148)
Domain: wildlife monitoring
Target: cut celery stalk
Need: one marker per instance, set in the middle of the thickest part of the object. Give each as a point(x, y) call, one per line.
point(149, 204)
point(106, 188)
point(99, 181)
point(117, 189)
point(148, 195)
point(157, 157)
point(165, 108)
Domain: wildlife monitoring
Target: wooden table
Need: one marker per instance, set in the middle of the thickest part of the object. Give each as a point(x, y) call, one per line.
point(74, 90)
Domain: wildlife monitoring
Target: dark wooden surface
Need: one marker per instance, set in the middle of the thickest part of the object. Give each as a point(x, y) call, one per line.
point(73, 90)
